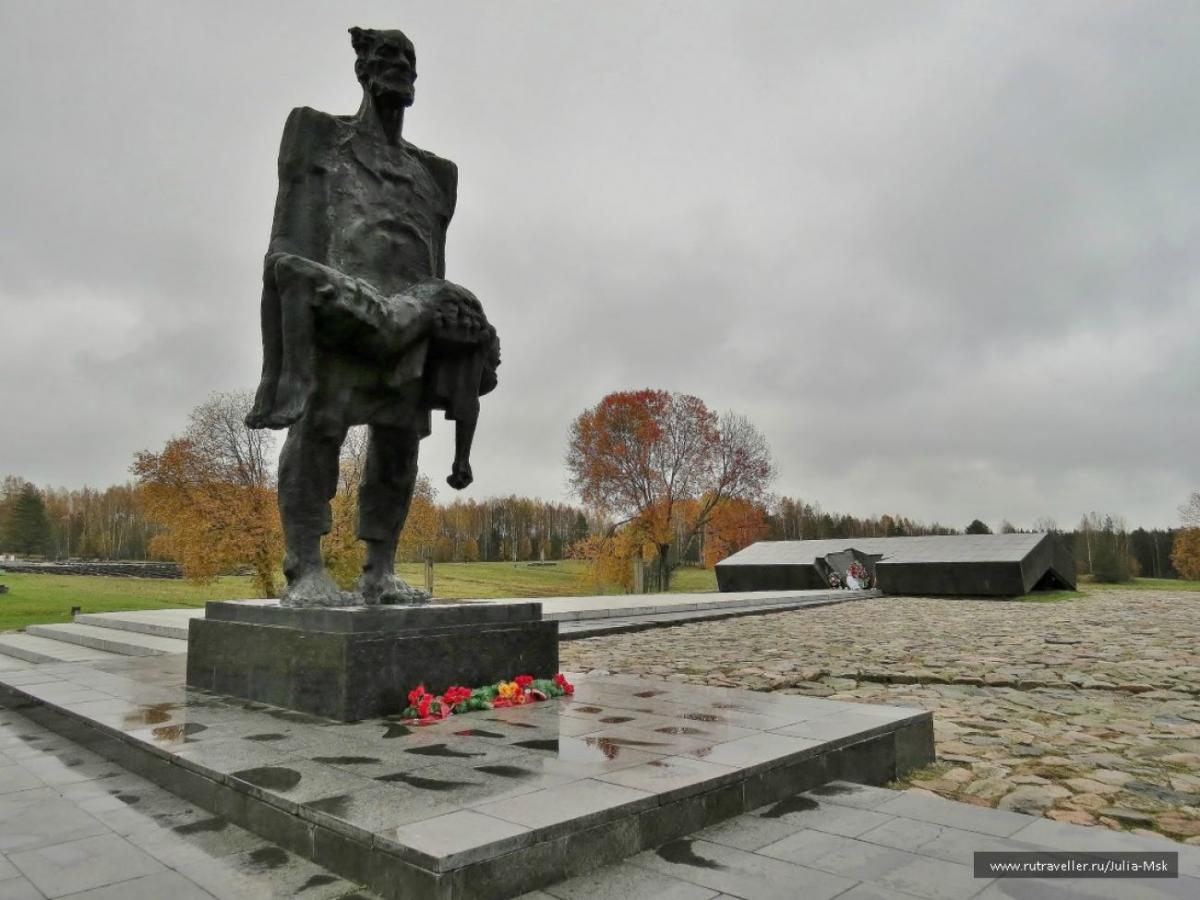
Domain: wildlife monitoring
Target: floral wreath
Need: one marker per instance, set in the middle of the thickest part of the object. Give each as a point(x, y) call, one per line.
point(425, 708)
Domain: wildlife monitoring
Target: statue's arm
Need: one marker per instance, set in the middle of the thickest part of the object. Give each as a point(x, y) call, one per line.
point(445, 173)
point(301, 220)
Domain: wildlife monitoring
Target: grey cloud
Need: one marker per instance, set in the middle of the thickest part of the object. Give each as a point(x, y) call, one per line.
point(942, 254)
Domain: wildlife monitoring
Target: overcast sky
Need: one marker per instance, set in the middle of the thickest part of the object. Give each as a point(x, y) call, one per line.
point(944, 255)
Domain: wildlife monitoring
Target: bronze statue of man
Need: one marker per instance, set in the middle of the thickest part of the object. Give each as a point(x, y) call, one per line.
point(359, 324)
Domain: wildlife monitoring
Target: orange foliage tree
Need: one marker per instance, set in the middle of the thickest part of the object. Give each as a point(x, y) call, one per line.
point(421, 527)
point(734, 524)
point(661, 463)
point(213, 492)
point(1185, 553)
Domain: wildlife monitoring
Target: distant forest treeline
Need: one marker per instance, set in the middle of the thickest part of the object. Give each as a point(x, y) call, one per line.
point(108, 523)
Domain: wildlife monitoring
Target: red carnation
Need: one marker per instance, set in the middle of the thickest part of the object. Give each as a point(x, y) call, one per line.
point(415, 695)
point(523, 681)
point(561, 680)
point(423, 705)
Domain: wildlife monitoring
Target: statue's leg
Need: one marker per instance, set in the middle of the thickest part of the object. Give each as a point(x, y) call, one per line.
point(308, 476)
point(384, 496)
point(272, 343)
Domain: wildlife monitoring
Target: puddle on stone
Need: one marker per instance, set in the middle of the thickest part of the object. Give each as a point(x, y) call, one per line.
point(175, 733)
point(681, 853)
point(701, 717)
point(616, 720)
point(154, 714)
point(272, 778)
point(425, 784)
point(505, 771)
point(798, 803)
point(626, 742)
point(395, 731)
point(335, 806)
point(478, 732)
point(269, 736)
point(588, 709)
point(441, 750)
point(129, 799)
point(539, 744)
point(514, 724)
point(268, 858)
point(679, 729)
point(317, 881)
point(217, 823)
point(346, 760)
point(644, 694)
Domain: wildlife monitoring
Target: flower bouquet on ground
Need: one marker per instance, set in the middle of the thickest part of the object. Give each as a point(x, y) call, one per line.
point(425, 708)
point(857, 576)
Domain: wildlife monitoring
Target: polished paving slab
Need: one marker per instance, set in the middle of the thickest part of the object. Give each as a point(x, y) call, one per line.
point(488, 804)
point(854, 842)
point(77, 826)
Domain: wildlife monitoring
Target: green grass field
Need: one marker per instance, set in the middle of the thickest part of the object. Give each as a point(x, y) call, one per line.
point(1089, 588)
point(48, 598)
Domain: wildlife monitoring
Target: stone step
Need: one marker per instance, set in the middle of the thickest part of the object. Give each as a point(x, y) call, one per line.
point(45, 650)
point(123, 643)
point(164, 623)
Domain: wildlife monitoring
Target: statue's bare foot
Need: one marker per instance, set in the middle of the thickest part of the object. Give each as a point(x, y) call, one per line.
point(316, 588)
point(291, 402)
point(264, 400)
point(388, 590)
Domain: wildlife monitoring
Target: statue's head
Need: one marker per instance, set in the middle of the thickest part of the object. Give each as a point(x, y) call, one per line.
point(386, 65)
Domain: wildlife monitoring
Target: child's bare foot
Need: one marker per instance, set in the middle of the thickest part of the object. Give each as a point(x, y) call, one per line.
point(291, 402)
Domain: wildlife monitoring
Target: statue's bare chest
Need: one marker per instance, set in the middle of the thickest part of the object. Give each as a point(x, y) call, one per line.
point(387, 213)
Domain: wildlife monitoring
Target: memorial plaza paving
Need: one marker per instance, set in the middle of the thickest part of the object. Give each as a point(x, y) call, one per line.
point(1082, 711)
point(1085, 711)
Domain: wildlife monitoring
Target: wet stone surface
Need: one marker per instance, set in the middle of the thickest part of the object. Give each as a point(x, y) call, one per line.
point(517, 776)
point(1085, 711)
point(77, 823)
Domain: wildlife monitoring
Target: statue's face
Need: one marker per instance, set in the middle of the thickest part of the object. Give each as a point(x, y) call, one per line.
point(386, 64)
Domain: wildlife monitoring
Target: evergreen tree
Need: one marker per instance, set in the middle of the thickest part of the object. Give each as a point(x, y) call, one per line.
point(26, 528)
point(978, 527)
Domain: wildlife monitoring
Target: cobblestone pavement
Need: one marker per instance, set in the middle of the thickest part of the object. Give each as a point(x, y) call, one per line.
point(1085, 711)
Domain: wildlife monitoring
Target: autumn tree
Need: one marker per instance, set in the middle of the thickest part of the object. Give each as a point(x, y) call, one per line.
point(421, 527)
point(1185, 553)
point(734, 525)
point(213, 492)
point(660, 463)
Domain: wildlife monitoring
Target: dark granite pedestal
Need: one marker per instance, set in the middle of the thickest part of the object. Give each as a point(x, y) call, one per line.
point(358, 662)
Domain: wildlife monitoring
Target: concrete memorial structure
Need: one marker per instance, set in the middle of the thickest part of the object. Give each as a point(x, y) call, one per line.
point(983, 565)
point(360, 327)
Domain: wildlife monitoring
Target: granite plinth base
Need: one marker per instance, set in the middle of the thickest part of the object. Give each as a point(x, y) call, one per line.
point(352, 663)
point(481, 806)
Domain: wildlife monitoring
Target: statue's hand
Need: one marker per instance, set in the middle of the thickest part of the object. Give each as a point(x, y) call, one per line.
point(460, 475)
